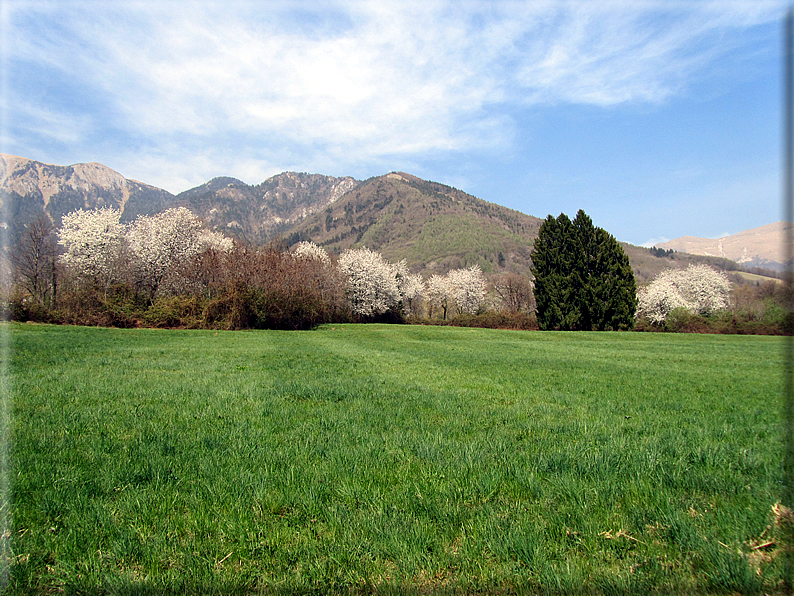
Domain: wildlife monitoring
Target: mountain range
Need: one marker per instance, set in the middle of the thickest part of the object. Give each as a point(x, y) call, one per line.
point(433, 226)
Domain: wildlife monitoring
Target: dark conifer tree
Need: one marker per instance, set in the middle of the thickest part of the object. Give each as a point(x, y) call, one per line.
point(583, 279)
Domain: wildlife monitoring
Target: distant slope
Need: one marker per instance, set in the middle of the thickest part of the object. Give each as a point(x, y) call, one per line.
point(433, 226)
point(646, 265)
point(759, 247)
point(259, 213)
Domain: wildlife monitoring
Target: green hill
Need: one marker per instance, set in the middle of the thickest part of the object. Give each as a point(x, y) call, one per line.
point(433, 226)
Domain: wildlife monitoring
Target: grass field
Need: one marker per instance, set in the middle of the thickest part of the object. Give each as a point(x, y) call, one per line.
point(392, 459)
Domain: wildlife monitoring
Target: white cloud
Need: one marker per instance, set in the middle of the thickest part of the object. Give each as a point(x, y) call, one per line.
point(356, 81)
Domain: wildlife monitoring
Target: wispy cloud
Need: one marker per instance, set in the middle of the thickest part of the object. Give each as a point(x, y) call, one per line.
point(353, 81)
point(654, 241)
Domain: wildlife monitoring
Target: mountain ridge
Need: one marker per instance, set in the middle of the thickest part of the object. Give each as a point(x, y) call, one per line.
point(433, 226)
point(257, 213)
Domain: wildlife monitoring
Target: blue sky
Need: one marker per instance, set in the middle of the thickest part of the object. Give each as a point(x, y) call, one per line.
point(658, 118)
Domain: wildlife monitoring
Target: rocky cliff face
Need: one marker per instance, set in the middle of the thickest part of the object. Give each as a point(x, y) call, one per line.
point(29, 189)
point(260, 213)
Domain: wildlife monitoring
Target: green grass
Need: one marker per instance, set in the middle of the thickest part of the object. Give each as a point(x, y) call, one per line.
point(392, 459)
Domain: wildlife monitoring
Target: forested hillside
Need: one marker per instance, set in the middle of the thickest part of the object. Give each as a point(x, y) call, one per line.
point(432, 226)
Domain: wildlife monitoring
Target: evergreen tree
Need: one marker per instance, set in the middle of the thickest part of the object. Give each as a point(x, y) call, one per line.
point(583, 279)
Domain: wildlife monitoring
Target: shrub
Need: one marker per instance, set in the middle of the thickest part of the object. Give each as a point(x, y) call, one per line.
point(176, 311)
point(232, 310)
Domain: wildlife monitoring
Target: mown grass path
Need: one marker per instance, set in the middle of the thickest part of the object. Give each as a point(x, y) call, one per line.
point(378, 458)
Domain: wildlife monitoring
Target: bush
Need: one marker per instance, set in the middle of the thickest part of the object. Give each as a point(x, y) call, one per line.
point(232, 310)
point(27, 309)
point(681, 320)
point(279, 309)
point(176, 311)
point(726, 322)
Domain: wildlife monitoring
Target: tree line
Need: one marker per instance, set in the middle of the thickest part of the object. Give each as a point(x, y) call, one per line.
point(169, 270)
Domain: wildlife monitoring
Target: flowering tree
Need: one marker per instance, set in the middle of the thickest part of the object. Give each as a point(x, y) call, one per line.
point(699, 289)
point(159, 242)
point(462, 289)
point(93, 241)
point(211, 240)
point(371, 282)
point(157, 249)
point(411, 287)
point(707, 289)
point(440, 295)
point(468, 288)
point(310, 251)
point(162, 244)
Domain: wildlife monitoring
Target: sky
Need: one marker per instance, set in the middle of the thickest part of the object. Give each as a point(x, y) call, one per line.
point(658, 118)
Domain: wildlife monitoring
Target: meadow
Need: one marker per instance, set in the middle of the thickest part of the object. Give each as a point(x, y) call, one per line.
point(392, 459)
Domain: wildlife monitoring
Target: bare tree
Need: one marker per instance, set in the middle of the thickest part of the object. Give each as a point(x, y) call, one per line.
point(34, 261)
point(514, 293)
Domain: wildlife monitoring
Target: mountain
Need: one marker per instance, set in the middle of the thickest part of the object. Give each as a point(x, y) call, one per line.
point(30, 188)
point(259, 213)
point(759, 247)
point(433, 226)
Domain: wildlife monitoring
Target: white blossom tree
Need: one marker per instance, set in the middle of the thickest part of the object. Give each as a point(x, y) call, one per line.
point(440, 295)
point(211, 240)
point(93, 241)
point(160, 243)
point(707, 289)
point(460, 289)
point(411, 287)
point(155, 250)
point(699, 289)
point(310, 251)
point(468, 288)
point(371, 282)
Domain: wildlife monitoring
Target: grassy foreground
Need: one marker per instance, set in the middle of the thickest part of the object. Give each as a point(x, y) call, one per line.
point(392, 459)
